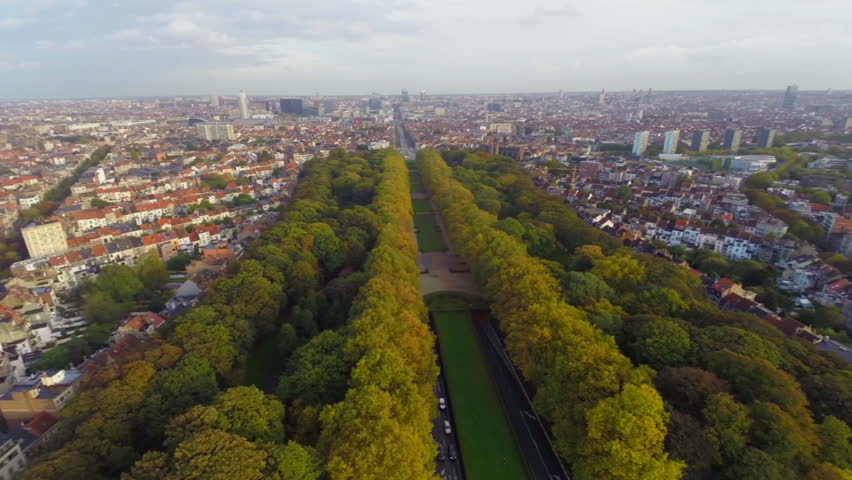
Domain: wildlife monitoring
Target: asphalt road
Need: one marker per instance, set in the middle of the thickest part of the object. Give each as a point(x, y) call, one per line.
point(447, 469)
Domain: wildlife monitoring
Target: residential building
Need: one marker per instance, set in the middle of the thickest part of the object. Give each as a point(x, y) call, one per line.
point(700, 140)
point(671, 141)
point(216, 131)
point(790, 97)
point(42, 392)
point(640, 143)
point(733, 138)
point(12, 458)
point(44, 239)
point(766, 137)
point(244, 109)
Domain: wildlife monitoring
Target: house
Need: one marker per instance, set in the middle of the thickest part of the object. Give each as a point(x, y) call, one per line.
point(12, 458)
point(143, 324)
point(725, 286)
point(43, 392)
point(186, 297)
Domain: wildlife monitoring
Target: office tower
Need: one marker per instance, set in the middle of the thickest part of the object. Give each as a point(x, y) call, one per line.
point(375, 104)
point(602, 97)
point(790, 97)
point(44, 239)
point(765, 137)
point(329, 106)
point(292, 106)
point(700, 140)
point(589, 169)
point(640, 114)
point(671, 140)
point(215, 131)
point(640, 143)
point(214, 100)
point(733, 138)
point(244, 110)
point(495, 107)
point(405, 98)
point(422, 95)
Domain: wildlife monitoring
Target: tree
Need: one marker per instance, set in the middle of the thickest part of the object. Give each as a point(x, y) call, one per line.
point(295, 462)
point(662, 343)
point(173, 391)
point(210, 342)
point(252, 414)
point(755, 464)
point(835, 442)
point(616, 426)
point(820, 196)
point(621, 272)
point(318, 372)
point(217, 455)
point(728, 423)
point(152, 272)
point(192, 422)
point(54, 359)
point(101, 308)
point(661, 301)
point(119, 282)
point(788, 440)
point(688, 388)
point(153, 465)
point(583, 287)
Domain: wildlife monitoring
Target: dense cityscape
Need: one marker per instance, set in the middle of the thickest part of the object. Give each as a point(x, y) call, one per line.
point(390, 240)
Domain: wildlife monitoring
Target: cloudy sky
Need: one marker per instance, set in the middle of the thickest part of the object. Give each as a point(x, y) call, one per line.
point(83, 48)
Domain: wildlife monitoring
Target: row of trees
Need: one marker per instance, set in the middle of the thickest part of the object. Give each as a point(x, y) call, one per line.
point(382, 428)
point(741, 395)
point(607, 419)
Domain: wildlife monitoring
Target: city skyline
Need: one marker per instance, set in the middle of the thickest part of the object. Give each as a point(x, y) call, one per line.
point(158, 48)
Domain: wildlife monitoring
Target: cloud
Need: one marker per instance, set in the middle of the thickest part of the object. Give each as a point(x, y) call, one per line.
point(547, 13)
point(10, 23)
point(17, 66)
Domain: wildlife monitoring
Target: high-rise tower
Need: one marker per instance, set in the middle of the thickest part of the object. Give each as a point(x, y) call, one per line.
point(244, 110)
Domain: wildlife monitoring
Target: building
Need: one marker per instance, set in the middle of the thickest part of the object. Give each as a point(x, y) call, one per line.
point(733, 138)
point(43, 392)
point(44, 239)
point(640, 143)
point(700, 141)
point(671, 141)
point(244, 109)
point(766, 137)
point(589, 169)
point(790, 97)
point(214, 100)
point(292, 106)
point(216, 131)
point(602, 98)
point(495, 107)
point(405, 97)
point(12, 458)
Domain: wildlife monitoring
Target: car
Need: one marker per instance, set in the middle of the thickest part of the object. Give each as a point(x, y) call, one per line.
point(442, 403)
point(447, 428)
point(452, 452)
point(441, 455)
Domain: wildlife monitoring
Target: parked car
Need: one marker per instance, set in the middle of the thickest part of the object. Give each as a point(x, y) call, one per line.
point(452, 452)
point(441, 455)
point(447, 428)
point(442, 404)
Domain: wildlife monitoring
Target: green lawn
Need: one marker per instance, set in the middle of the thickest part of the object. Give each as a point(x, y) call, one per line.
point(416, 186)
point(488, 445)
point(421, 205)
point(428, 239)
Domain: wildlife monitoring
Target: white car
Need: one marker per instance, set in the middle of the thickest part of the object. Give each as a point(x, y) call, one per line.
point(447, 428)
point(442, 404)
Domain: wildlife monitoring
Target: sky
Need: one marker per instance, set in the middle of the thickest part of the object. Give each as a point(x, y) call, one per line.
point(94, 48)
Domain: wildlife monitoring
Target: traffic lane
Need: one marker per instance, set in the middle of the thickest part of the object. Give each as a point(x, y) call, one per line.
point(447, 469)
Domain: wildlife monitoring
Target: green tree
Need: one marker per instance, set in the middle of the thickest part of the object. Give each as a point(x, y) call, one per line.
point(728, 423)
point(621, 272)
point(152, 271)
point(295, 462)
point(54, 359)
point(835, 442)
point(662, 343)
point(218, 455)
point(252, 414)
point(661, 301)
point(614, 425)
point(688, 388)
point(318, 372)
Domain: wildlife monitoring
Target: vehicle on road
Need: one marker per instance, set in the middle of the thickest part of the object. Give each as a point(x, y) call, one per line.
point(442, 403)
point(441, 455)
point(447, 428)
point(452, 452)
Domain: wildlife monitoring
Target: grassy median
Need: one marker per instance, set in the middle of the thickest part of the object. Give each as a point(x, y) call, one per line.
point(489, 449)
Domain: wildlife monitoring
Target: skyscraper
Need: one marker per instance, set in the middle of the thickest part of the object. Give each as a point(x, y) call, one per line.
point(244, 110)
point(733, 138)
point(671, 141)
point(215, 131)
point(44, 239)
point(700, 140)
point(292, 106)
point(640, 143)
point(422, 95)
point(214, 100)
point(602, 97)
point(405, 98)
point(765, 137)
point(790, 97)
